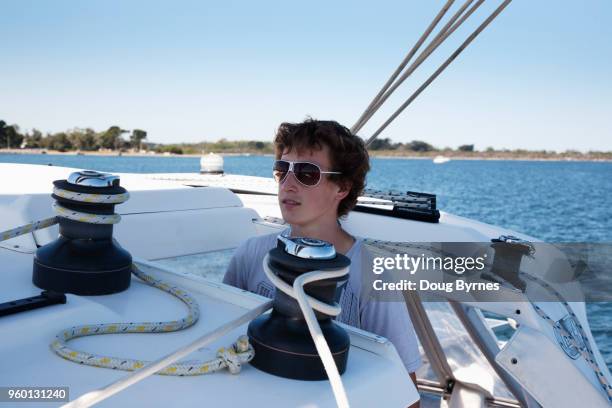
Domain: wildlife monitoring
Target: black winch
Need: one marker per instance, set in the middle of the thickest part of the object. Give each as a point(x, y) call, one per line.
point(509, 253)
point(85, 259)
point(281, 339)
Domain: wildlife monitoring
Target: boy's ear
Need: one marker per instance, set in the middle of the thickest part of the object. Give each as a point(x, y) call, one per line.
point(345, 188)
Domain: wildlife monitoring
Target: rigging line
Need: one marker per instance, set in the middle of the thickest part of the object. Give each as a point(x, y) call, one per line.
point(376, 104)
point(403, 64)
point(449, 28)
point(439, 70)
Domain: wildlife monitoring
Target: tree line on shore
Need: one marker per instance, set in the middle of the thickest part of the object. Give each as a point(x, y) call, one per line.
point(75, 139)
point(121, 140)
point(115, 139)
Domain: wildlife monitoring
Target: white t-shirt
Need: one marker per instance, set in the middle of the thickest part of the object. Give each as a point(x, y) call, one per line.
point(387, 319)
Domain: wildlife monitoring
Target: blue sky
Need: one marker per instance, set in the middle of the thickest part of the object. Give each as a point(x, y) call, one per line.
point(187, 71)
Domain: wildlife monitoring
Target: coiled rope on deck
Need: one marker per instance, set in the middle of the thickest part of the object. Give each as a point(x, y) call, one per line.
point(231, 357)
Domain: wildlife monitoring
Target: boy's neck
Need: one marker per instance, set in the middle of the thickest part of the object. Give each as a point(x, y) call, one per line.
point(332, 233)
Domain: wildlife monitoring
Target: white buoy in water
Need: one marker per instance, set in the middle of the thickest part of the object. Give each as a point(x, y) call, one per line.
point(211, 163)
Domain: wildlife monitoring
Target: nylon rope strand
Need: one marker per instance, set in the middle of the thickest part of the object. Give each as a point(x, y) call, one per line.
point(231, 357)
point(70, 214)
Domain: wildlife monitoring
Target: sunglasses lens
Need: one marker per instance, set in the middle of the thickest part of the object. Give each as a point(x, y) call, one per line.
point(307, 173)
point(280, 169)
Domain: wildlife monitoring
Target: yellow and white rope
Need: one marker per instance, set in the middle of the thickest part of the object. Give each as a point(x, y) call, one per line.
point(85, 217)
point(71, 214)
point(231, 357)
point(91, 198)
point(89, 218)
point(25, 229)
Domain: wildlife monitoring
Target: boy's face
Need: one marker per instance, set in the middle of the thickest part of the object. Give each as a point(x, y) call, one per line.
point(309, 206)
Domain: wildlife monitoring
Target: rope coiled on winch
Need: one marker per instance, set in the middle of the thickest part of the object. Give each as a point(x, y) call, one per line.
point(231, 357)
point(64, 212)
point(307, 305)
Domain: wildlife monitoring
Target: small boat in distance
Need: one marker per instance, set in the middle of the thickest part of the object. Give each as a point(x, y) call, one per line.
point(440, 160)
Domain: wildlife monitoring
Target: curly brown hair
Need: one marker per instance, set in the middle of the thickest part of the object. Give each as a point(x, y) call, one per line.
point(348, 153)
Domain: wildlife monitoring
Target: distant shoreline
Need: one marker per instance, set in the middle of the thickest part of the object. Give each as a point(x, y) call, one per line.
point(382, 154)
point(115, 153)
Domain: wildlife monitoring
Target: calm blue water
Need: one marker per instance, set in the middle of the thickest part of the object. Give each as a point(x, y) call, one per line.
point(553, 201)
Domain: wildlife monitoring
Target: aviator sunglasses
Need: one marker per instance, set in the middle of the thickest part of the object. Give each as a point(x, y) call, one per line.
point(306, 173)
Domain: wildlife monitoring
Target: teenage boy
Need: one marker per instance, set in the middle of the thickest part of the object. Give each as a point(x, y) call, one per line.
point(321, 169)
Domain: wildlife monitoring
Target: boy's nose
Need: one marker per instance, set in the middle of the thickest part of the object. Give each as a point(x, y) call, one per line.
point(289, 183)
